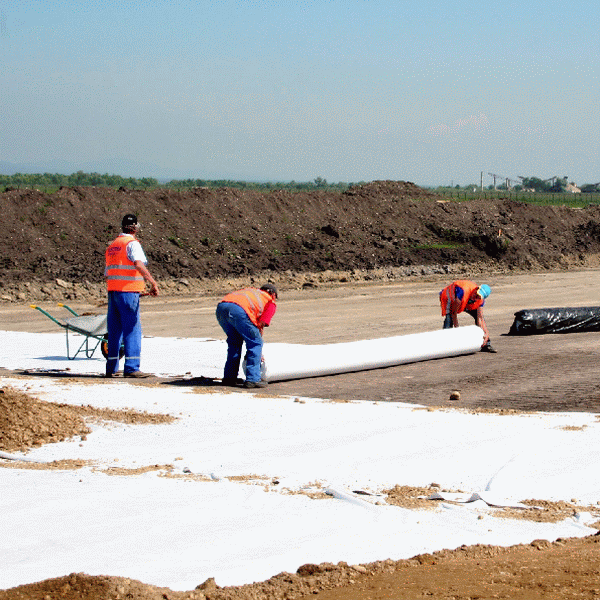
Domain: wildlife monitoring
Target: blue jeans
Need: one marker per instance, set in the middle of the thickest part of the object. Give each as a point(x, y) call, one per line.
point(239, 329)
point(123, 321)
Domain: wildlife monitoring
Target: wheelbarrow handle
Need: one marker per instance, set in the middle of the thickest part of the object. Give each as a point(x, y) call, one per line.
point(68, 308)
point(47, 314)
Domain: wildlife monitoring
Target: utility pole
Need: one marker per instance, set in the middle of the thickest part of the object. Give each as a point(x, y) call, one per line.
point(494, 176)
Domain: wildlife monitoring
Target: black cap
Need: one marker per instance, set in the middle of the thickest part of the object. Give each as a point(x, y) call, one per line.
point(129, 221)
point(270, 289)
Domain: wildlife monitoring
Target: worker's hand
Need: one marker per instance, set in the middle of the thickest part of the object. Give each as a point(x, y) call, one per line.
point(154, 289)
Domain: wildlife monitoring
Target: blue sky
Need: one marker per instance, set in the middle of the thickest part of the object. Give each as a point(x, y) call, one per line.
point(426, 91)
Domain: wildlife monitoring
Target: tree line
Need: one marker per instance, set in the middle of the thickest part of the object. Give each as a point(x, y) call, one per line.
point(81, 179)
point(53, 181)
point(56, 180)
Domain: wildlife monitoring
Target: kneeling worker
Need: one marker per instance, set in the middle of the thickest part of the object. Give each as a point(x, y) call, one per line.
point(242, 315)
point(467, 296)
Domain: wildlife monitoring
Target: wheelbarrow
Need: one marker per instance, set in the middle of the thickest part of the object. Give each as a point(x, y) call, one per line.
point(92, 327)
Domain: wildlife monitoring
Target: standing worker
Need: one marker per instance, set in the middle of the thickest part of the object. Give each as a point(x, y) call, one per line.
point(465, 295)
point(243, 315)
point(125, 274)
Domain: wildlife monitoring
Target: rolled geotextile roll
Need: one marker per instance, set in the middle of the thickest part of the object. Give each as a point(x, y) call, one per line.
point(295, 361)
point(535, 321)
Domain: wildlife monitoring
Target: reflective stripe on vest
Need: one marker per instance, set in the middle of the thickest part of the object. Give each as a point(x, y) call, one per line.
point(252, 300)
point(121, 273)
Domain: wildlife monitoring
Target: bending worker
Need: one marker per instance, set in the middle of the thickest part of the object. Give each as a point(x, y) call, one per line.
point(464, 295)
point(243, 315)
point(125, 275)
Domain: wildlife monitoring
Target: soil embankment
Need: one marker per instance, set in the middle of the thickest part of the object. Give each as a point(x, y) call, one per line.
point(54, 243)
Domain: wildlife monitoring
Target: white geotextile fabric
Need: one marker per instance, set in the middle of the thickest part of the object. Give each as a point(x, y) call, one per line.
point(206, 357)
point(220, 514)
point(295, 361)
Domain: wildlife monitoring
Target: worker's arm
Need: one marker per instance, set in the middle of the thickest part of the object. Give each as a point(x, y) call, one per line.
point(265, 318)
point(480, 322)
point(141, 267)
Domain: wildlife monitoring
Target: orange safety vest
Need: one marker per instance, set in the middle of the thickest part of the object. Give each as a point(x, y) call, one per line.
point(121, 273)
point(447, 295)
point(252, 300)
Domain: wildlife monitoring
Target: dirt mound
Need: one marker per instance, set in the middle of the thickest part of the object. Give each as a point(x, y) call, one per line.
point(201, 233)
point(26, 422)
point(562, 569)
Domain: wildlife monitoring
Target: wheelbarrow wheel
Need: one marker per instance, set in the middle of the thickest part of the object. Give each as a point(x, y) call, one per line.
point(104, 348)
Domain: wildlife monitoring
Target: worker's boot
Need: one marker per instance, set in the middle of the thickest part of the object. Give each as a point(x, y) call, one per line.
point(255, 384)
point(488, 348)
point(136, 374)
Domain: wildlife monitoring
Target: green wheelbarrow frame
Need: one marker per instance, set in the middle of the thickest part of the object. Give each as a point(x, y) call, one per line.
point(92, 327)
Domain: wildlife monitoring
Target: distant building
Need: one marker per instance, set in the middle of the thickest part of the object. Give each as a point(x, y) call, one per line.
point(573, 189)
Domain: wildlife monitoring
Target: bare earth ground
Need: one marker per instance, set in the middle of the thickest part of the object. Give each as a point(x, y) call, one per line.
point(371, 269)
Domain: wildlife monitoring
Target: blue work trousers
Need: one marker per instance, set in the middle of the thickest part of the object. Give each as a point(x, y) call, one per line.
point(124, 326)
point(239, 329)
